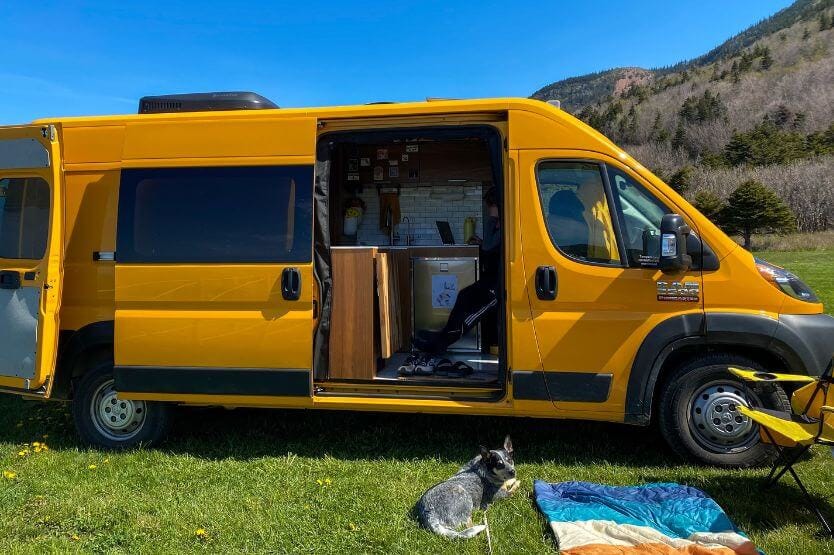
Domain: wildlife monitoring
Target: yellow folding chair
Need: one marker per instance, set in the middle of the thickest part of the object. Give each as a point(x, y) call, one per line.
point(794, 433)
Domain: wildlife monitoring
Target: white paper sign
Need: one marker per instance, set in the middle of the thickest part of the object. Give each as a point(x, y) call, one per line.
point(444, 290)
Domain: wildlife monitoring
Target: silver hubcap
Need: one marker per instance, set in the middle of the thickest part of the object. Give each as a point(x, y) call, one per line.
point(117, 419)
point(716, 421)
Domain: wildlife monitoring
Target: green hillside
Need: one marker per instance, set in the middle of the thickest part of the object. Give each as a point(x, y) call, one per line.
point(759, 106)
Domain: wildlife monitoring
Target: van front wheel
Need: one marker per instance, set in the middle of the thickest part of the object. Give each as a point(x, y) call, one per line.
point(699, 416)
point(104, 420)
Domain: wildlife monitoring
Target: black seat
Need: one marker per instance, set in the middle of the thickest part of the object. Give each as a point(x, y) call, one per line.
point(566, 224)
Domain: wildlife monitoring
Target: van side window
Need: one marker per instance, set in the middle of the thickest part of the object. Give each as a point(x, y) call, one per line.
point(24, 217)
point(640, 216)
point(576, 211)
point(231, 214)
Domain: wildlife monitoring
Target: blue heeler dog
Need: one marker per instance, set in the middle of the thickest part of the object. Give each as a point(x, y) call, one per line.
point(446, 507)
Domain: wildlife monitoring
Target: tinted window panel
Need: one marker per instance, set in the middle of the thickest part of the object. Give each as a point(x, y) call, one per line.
point(24, 217)
point(241, 214)
point(576, 211)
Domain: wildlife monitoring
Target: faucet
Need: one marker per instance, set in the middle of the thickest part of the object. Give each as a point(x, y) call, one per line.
point(389, 223)
point(408, 230)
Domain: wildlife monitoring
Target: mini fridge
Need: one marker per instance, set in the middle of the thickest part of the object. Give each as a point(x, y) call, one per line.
point(435, 283)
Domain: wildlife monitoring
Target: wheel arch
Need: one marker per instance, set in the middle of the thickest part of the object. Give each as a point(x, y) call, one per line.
point(77, 349)
point(680, 338)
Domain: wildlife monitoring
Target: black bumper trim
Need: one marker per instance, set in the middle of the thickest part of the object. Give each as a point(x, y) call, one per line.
point(572, 387)
point(278, 382)
point(809, 337)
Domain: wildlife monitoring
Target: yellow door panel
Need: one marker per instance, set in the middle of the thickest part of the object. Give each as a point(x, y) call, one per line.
point(229, 138)
point(589, 333)
point(212, 316)
point(214, 259)
point(31, 256)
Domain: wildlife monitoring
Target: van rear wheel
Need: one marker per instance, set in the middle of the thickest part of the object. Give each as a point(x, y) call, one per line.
point(699, 416)
point(104, 420)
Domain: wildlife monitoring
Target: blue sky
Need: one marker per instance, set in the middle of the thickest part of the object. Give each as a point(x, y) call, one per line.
point(73, 58)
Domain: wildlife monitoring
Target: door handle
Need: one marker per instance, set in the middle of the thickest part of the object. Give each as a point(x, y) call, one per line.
point(547, 283)
point(291, 284)
point(9, 279)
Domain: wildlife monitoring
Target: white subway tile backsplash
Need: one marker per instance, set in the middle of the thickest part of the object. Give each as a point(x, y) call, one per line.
point(423, 206)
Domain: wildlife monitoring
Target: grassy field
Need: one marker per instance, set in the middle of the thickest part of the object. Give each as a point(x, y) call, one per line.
point(300, 482)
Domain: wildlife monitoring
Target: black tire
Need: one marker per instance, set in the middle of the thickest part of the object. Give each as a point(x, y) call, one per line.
point(697, 415)
point(134, 423)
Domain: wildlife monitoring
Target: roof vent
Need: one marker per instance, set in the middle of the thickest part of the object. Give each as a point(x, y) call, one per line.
point(203, 102)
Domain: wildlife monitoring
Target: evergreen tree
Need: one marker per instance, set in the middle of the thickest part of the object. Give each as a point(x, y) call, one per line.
point(735, 72)
point(679, 137)
point(782, 116)
point(755, 208)
point(708, 204)
point(746, 62)
point(766, 144)
point(767, 61)
point(631, 129)
point(700, 109)
point(799, 120)
point(681, 180)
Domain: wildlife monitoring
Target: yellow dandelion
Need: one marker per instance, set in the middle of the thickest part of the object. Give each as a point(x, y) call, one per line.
point(36, 444)
point(106, 461)
point(22, 453)
point(353, 527)
point(319, 482)
point(75, 537)
point(201, 533)
point(9, 474)
point(328, 481)
point(92, 467)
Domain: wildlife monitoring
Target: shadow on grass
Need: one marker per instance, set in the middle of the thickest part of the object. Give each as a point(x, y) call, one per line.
point(245, 433)
point(216, 434)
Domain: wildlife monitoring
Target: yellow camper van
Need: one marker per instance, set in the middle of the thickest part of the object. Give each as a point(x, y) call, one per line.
point(214, 249)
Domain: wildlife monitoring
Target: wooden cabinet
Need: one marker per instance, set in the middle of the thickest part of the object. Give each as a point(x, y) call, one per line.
point(353, 350)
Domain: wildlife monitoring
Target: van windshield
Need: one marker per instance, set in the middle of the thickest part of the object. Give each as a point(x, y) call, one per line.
point(24, 217)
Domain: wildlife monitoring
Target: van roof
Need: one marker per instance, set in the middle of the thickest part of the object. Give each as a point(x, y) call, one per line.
point(393, 109)
point(432, 106)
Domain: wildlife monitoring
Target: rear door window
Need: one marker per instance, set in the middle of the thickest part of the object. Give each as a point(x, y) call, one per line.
point(24, 217)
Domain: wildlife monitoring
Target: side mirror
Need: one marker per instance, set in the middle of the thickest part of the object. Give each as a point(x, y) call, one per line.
point(673, 234)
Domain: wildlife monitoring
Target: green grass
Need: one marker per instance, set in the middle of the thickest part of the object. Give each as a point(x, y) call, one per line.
point(249, 478)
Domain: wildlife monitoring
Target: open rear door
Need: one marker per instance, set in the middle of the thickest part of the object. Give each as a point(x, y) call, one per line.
point(31, 256)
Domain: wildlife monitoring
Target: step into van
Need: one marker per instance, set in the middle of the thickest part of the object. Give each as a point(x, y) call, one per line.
point(217, 250)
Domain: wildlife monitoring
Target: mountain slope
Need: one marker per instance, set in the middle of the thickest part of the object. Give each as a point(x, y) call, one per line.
point(577, 92)
point(760, 105)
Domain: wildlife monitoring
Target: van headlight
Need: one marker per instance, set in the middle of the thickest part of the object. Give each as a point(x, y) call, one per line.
point(786, 282)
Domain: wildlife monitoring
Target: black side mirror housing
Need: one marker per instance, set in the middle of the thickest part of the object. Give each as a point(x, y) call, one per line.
point(673, 236)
